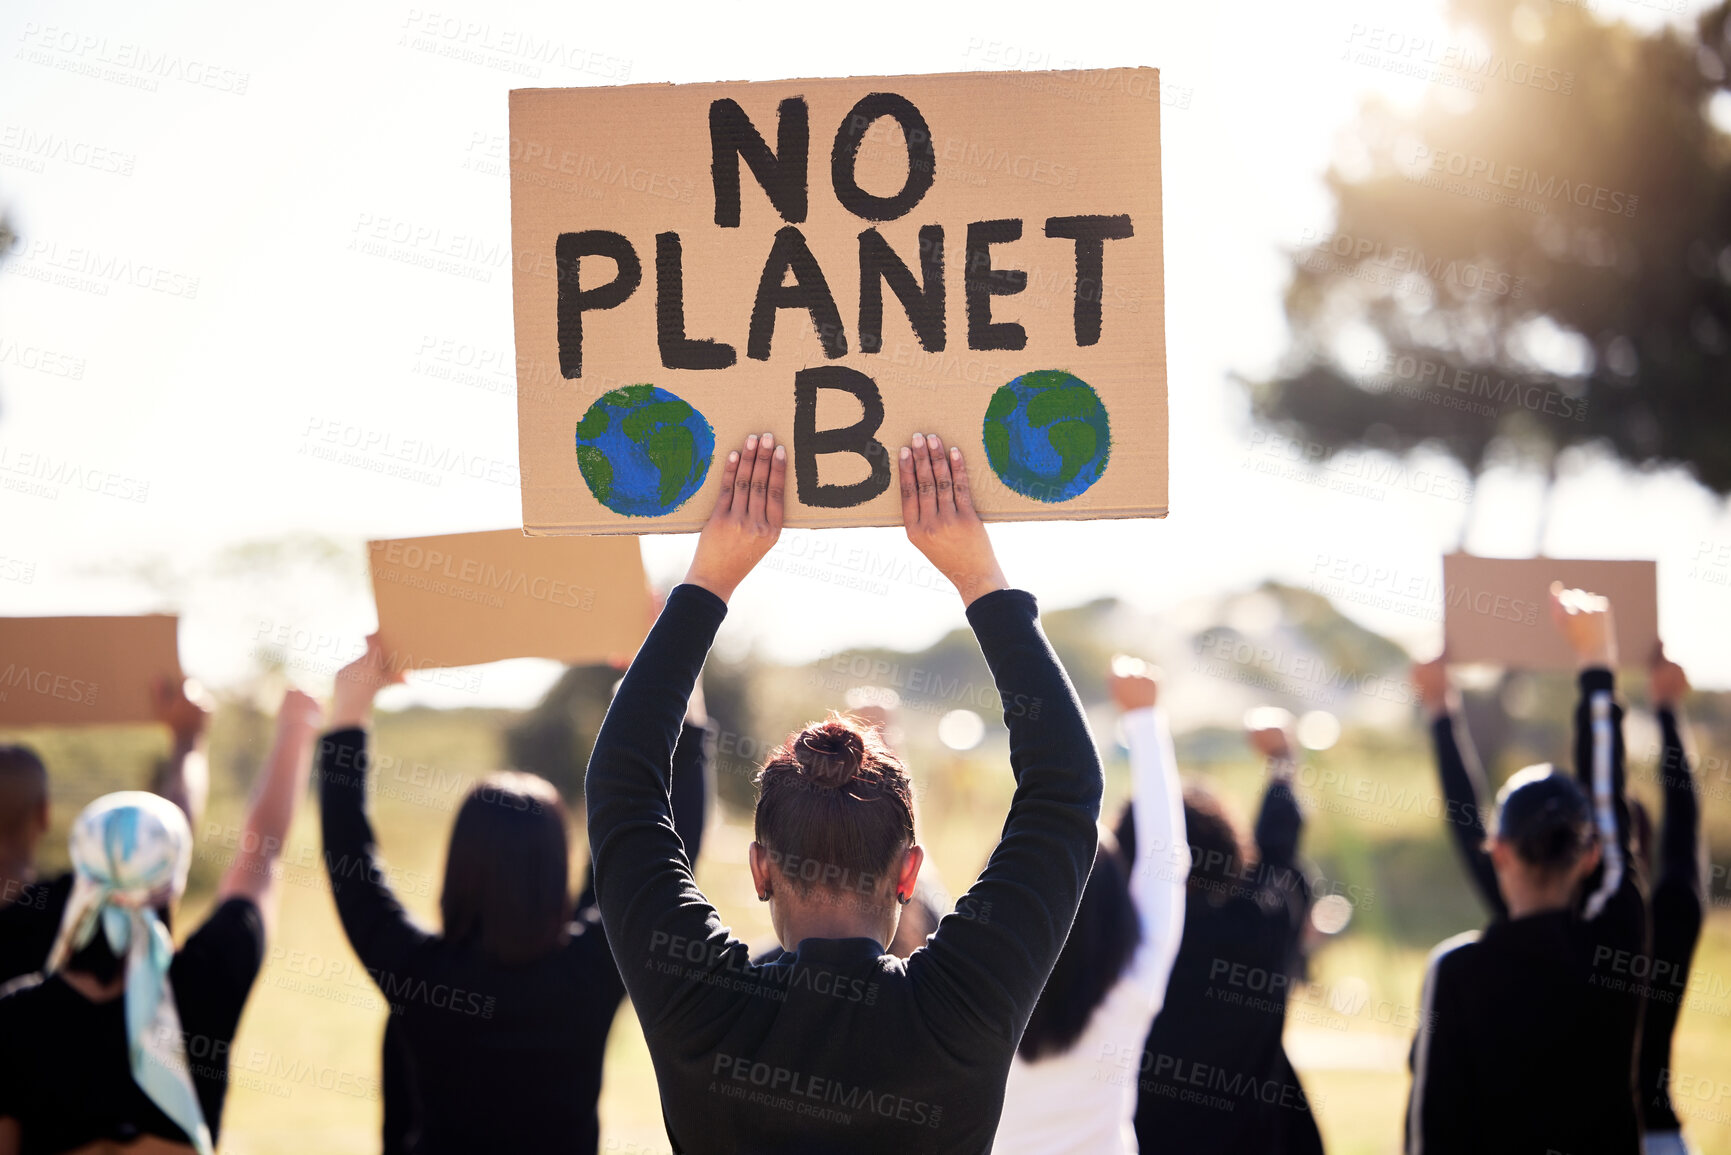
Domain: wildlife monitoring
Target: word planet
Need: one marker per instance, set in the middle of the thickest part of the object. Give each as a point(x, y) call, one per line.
point(643, 451)
point(1047, 436)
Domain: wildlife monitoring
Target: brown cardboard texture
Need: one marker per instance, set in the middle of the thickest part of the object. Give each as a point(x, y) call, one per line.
point(85, 671)
point(843, 263)
point(462, 599)
point(1497, 610)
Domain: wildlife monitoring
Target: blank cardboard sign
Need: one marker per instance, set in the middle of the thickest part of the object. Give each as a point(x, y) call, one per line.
point(462, 599)
point(1497, 610)
point(844, 263)
point(85, 671)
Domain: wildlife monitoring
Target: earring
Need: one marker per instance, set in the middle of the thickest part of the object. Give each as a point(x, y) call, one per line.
point(763, 897)
point(903, 899)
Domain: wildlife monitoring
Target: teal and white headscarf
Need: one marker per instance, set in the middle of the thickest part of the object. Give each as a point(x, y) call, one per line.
point(130, 855)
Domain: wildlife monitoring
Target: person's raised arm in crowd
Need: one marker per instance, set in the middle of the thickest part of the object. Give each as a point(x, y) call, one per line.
point(1679, 866)
point(643, 877)
point(1280, 822)
point(1461, 776)
point(1280, 881)
point(378, 928)
point(1678, 901)
point(184, 776)
point(692, 758)
point(281, 784)
point(1586, 623)
point(979, 972)
point(1161, 867)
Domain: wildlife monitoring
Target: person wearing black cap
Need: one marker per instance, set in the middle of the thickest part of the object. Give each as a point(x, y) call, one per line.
point(838, 1046)
point(1528, 1031)
point(1678, 890)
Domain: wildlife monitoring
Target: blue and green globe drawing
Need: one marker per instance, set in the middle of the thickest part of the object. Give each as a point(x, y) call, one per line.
point(643, 451)
point(1047, 436)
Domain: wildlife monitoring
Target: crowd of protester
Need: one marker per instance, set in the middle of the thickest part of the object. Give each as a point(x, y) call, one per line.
point(1065, 1003)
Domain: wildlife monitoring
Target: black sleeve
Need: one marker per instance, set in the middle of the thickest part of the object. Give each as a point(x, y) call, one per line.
point(1680, 829)
point(12, 1056)
point(1282, 898)
point(378, 927)
point(1443, 1114)
point(216, 967)
point(1463, 787)
point(1279, 826)
point(395, 1094)
point(649, 900)
point(692, 759)
point(1599, 766)
point(984, 968)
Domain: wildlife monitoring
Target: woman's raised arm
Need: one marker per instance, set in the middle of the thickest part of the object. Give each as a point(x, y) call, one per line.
point(983, 970)
point(663, 932)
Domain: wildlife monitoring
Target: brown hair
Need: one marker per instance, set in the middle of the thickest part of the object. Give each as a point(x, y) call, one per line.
point(1102, 941)
point(507, 870)
point(834, 807)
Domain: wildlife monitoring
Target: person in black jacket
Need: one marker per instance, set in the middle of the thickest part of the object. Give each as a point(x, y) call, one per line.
point(1678, 886)
point(1528, 1034)
point(30, 907)
point(839, 1046)
point(1214, 1075)
point(498, 1023)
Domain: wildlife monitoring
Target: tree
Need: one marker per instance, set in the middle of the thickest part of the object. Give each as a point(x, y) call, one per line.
point(1539, 257)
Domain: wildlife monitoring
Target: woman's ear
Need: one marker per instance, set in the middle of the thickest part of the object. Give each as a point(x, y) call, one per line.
point(758, 854)
point(1503, 856)
point(909, 875)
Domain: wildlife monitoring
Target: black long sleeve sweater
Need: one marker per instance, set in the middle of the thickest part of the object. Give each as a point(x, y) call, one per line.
point(494, 1057)
point(837, 1046)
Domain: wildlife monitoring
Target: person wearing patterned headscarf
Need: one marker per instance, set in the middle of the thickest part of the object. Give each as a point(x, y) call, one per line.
point(122, 1039)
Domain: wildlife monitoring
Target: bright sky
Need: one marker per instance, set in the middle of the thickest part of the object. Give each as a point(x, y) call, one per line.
point(243, 171)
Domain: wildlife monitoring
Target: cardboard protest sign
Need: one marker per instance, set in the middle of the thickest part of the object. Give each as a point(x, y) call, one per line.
point(842, 262)
point(1497, 610)
point(85, 671)
point(462, 599)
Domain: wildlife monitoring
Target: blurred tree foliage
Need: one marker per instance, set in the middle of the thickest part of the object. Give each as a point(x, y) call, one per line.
point(555, 737)
point(1541, 260)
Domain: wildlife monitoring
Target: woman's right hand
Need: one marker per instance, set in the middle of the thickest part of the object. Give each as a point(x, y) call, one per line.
point(938, 511)
point(747, 519)
point(358, 683)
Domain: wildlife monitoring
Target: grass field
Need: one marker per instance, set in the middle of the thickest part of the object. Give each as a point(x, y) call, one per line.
point(305, 1064)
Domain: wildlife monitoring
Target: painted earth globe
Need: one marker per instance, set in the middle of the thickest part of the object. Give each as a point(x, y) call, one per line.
point(1047, 436)
point(643, 451)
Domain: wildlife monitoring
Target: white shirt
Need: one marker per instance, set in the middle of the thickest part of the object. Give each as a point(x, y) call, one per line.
point(1084, 1100)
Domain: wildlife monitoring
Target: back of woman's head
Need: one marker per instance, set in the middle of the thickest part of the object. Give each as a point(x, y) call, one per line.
point(131, 852)
point(1102, 941)
point(834, 807)
point(506, 873)
point(23, 791)
point(1543, 815)
point(1218, 854)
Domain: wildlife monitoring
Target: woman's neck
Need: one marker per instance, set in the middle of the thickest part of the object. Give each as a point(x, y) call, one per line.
point(93, 988)
point(1524, 902)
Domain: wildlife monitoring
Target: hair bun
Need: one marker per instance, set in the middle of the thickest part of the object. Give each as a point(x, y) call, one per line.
point(829, 753)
